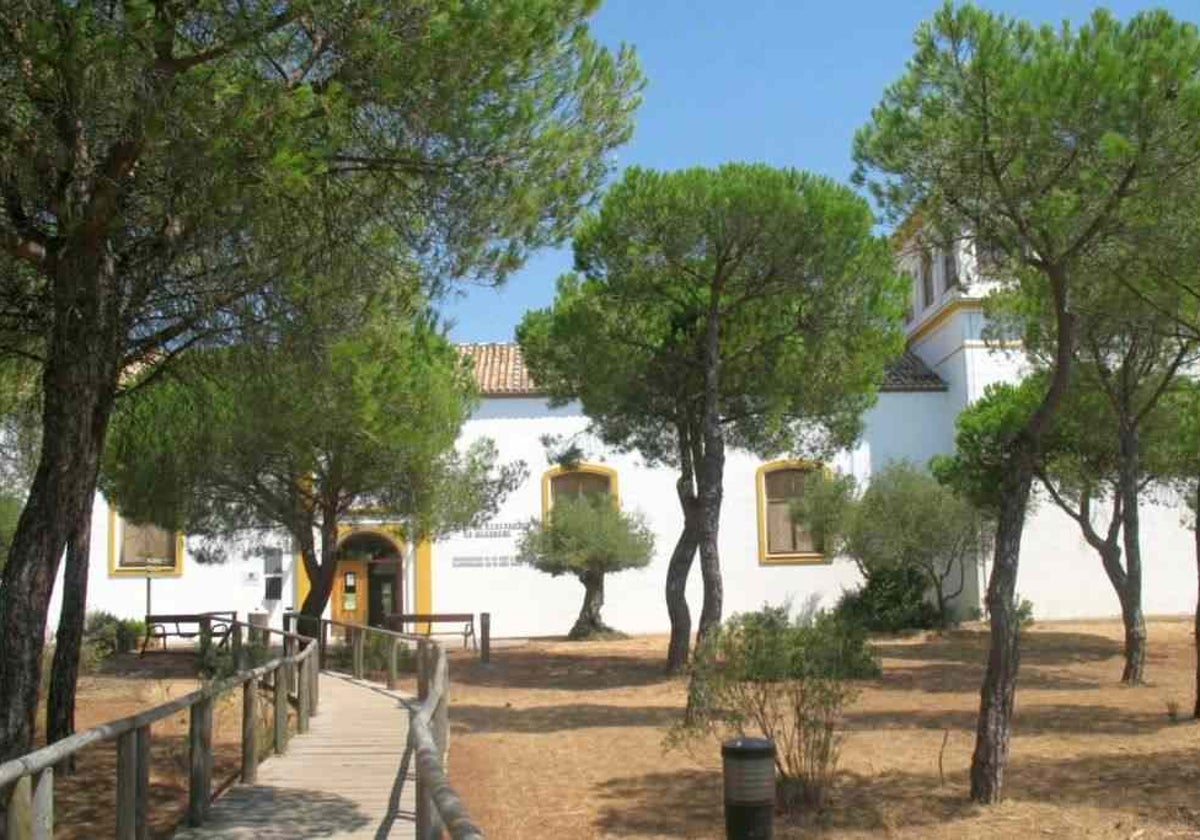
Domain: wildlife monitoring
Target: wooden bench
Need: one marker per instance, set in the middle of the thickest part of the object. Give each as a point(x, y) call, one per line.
point(211, 624)
point(467, 620)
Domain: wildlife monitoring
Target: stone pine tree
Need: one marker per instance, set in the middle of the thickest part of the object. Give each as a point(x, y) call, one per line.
point(162, 165)
point(1127, 354)
point(1180, 413)
point(298, 433)
point(742, 305)
point(1046, 146)
point(1080, 466)
point(589, 537)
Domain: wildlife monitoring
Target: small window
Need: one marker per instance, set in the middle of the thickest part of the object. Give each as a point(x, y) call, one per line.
point(138, 549)
point(926, 278)
point(582, 480)
point(273, 573)
point(949, 268)
point(780, 538)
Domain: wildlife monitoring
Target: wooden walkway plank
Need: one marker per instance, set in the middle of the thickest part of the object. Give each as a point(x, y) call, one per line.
point(349, 777)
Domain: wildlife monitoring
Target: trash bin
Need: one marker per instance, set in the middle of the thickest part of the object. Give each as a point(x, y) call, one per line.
point(749, 770)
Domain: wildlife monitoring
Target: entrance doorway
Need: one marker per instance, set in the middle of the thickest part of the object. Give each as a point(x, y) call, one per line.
point(369, 586)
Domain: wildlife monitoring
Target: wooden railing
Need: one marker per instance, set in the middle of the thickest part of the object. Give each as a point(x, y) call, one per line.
point(439, 809)
point(293, 677)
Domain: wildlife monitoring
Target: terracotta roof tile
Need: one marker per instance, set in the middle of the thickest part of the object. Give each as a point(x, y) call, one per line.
point(500, 372)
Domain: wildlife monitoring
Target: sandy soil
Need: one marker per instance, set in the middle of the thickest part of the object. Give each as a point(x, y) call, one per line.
point(84, 799)
point(559, 739)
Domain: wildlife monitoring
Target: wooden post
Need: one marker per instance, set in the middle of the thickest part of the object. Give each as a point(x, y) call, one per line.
point(441, 715)
point(393, 667)
point(133, 783)
point(359, 638)
point(323, 644)
point(423, 669)
point(200, 748)
point(205, 638)
point(303, 684)
point(43, 805)
point(238, 662)
point(281, 704)
point(314, 673)
point(485, 638)
point(249, 731)
point(19, 815)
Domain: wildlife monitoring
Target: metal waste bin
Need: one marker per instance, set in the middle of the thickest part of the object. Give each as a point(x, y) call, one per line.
point(749, 769)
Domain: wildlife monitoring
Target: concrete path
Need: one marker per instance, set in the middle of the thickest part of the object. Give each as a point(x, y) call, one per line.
point(348, 777)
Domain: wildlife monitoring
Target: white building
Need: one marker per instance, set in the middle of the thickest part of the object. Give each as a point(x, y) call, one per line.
point(764, 559)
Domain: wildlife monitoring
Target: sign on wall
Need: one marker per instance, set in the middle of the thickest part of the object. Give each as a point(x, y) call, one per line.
point(498, 550)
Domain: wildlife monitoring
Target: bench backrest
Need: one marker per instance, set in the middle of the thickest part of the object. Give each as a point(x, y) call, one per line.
point(433, 618)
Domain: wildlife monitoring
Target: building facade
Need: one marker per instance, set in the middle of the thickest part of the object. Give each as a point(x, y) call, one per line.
point(764, 558)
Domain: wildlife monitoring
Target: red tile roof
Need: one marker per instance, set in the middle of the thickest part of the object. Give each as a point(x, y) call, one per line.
point(500, 372)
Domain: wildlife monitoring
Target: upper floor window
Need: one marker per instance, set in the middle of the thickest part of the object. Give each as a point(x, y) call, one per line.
point(926, 278)
point(579, 480)
point(950, 267)
point(780, 538)
point(141, 550)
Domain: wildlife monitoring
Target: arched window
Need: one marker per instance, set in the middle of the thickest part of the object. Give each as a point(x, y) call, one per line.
point(579, 480)
point(780, 539)
point(141, 550)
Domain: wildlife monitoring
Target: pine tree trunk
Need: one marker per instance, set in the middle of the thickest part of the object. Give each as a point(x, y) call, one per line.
point(78, 384)
point(589, 622)
point(68, 641)
point(1196, 626)
point(676, 591)
point(993, 730)
point(710, 556)
point(1131, 597)
point(322, 569)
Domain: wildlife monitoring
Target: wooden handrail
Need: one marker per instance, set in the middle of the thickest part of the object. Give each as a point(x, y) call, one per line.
point(34, 814)
point(438, 805)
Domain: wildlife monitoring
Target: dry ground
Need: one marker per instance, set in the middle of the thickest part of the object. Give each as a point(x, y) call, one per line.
point(126, 685)
point(565, 740)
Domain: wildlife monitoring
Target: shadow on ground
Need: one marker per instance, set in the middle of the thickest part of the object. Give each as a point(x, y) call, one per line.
point(1028, 719)
point(1037, 648)
point(1158, 788)
point(538, 719)
point(956, 677)
point(521, 669)
point(251, 812)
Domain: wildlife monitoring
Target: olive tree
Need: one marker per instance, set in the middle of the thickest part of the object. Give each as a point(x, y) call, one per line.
point(589, 537)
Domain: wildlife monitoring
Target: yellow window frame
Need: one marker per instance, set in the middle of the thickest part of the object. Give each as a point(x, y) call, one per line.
point(614, 487)
point(116, 571)
point(795, 558)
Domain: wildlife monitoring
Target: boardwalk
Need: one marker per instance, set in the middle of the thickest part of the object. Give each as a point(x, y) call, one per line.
point(346, 778)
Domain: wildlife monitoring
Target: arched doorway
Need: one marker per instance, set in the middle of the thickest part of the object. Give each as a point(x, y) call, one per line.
point(369, 585)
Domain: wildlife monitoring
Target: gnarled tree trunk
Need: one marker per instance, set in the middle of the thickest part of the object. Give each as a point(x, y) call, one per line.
point(68, 641)
point(682, 557)
point(1196, 626)
point(1131, 597)
point(589, 622)
point(711, 469)
point(993, 730)
point(78, 383)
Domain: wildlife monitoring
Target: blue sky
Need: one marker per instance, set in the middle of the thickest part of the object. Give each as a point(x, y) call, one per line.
point(785, 83)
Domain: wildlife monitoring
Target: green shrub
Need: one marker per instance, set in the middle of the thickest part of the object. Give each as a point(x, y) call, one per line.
point(789, 680)
point(892, 599)
point(376, 649)
point(111, 635)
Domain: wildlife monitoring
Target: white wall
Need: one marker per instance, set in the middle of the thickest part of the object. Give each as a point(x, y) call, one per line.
point(525, 602)
point(236, 584)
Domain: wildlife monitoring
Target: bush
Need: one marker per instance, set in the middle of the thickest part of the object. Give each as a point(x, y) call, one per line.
point(892, 599)
point(788, 680)
point(110, 635)
point(376, 649)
